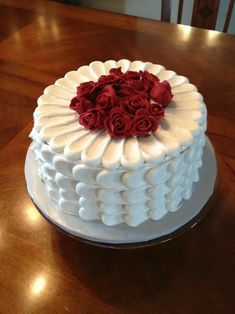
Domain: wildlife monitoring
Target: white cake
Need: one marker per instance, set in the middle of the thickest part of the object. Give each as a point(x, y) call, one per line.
point(128, 180)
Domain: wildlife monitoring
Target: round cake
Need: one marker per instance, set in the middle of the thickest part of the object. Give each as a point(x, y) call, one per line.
point(134, 158)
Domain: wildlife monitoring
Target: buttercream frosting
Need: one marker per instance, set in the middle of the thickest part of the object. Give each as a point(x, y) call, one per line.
point(129, 180)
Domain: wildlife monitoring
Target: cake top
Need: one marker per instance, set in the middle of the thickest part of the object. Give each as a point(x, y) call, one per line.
point(124, 104)
point(57, 124)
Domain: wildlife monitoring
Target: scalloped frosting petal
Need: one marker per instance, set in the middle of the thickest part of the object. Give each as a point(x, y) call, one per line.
point(56, 123)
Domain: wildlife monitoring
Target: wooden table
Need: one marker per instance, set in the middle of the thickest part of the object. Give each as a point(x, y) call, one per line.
point(44, 271)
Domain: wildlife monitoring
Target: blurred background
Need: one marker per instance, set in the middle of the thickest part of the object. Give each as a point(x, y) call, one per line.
point(152, 9)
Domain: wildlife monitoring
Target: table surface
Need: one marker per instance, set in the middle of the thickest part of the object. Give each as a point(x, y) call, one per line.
point(43, 270)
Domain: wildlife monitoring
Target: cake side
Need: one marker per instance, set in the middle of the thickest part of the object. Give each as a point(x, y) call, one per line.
point(121, 196)
point(128, 180)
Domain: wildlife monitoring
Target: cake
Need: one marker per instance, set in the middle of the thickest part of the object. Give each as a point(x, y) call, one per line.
point(114, 179)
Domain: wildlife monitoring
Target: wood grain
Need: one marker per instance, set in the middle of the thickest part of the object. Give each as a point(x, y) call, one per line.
point(42, 270)
point(205, 13)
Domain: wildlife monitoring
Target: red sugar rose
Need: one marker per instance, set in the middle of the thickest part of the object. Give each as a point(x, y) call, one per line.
point(81, 104)
point(118, 123)
point(86, 88)
point(143, 123)
point(131, 75)
point(92, 119)
point(148, 80)
point(135, 84)
point(74, 102)
point(107, 80)
point(131, 87)
point(149, 76)
point(114, 77)
point(126, 104)
point(106, 98)
point(156, 110)
point(133, 103)
point(116, 73)
point(161, 93)
point(125, 91)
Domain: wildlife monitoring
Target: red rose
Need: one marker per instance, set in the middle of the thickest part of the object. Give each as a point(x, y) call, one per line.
point(106, 98)
point(114, 77)
point(118, 123)
point(116, 73)
point(124, 91)
point(120, 102)
point(131, 75)
point(143, 123)
point(106, 80)
point(135, 84)
point(74, 103)
point(86, 88)
point(133, 103)
point(81, 104)
point(92, 119)
point(148, 80)
point(161, 93)
point(156, 110)
point(149, 76)
point(130, 87)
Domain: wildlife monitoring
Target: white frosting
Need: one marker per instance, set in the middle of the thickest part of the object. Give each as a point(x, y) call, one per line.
point(119, 181)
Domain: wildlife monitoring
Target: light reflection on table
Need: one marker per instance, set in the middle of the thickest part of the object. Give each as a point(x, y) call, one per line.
point(32, 215)
point(38, 285)
point(212, 35)
point(185, 31)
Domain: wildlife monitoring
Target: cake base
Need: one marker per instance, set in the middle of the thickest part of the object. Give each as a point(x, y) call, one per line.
point(122, 236)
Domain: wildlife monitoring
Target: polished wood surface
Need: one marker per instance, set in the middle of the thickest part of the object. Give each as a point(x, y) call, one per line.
point(43, 270)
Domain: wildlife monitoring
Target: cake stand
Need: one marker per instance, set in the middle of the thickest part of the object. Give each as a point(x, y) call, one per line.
point(122, 236)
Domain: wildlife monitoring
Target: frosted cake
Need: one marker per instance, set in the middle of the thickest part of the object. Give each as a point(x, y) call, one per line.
point(125, 147)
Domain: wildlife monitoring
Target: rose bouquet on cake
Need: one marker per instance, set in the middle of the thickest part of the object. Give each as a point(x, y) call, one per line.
point(125, 104)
